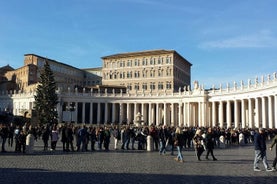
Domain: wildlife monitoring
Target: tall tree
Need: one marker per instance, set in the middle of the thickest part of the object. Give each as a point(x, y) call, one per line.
point(46, 98)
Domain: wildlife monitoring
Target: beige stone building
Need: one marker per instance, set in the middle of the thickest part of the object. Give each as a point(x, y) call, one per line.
point(148, 72)
point(66, 76)
point(24, 77)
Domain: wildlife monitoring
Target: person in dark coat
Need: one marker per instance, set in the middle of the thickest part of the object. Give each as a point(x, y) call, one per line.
point(93, 138)
point(63, 139)
point(4, 132)
point(45, 136)
point(163, 135)
point(260, 150)
point(107, 137)
point(69, 137)
point(210, 143)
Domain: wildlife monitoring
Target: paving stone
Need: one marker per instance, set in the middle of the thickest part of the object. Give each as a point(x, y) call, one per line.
point(234, 165)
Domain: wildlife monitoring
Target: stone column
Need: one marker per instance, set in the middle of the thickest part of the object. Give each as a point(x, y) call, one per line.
point(194, 114)
point(236, 113)
point(180, 114)
point(204, 114)
point(221, 114)
point(275, 110)
point(142, 112)
point(165, 116)
point(200, 121)
point(257, 113)
point(120, 113)
point(113, 112)
point(243, 124)
point(189, 115)
point(185, 114)
point(98, 112)
point(264, 124)
point(128, 113)
point(150, 114)
point(157, 114)
point(135, 111)
point(270, 115)
point(91, 113)
point(228, 112)
point(209, 114)
point(213, 114)
point(106, 113)
point(172, 114)
point(250, 113)
point(83, 112)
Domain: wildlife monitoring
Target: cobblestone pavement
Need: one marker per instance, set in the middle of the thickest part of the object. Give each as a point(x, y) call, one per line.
point(234, 165)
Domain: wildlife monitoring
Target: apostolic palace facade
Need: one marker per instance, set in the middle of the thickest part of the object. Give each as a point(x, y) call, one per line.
point(154, 86)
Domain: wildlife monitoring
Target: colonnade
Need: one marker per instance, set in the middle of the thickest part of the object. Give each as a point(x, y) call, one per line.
point(236, 113)
point(244, 113)
point(253, 106)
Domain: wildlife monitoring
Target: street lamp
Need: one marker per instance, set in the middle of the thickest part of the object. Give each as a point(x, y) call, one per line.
point(71, 108)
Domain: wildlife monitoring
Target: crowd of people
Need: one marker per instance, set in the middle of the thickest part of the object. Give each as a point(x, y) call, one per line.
point(164, 138)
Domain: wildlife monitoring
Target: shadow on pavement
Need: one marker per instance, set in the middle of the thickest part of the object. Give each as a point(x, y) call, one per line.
point(40, 176)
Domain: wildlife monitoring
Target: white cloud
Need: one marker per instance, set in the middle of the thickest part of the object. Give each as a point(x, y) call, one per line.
point(261, 39)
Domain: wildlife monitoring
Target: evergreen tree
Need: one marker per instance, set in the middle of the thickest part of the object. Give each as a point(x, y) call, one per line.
point(46, 98)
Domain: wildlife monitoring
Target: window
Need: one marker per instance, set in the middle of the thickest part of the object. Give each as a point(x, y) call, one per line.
point(129, 63)
point(168, 60)
point(160, 85)
point(115, 75)
point(121, 64)
point(152, 73)
point(144, 86)
point(144, 74)
point(136, 86)
point(129, 86)
point(168, 72)
point(159, 61)
point(152, 85)
point(114, 65)
point(152, 61)
point(160, 73)
point(168, 85)
point(144, 61)
point(136, 74)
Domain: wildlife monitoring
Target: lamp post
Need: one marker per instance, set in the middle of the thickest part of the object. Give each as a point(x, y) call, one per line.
point(71, 108)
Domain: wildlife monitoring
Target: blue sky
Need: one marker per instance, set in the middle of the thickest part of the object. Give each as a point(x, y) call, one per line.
point(225, 40)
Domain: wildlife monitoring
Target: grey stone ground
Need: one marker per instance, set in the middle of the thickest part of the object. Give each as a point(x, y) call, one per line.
point(234, 165)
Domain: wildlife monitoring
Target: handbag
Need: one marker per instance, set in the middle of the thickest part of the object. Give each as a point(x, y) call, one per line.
point(176, 142)
point(200, 148)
